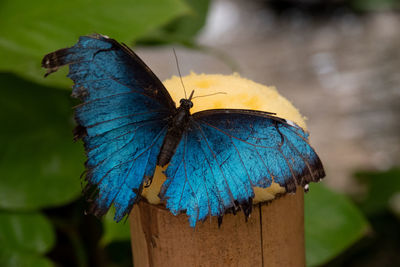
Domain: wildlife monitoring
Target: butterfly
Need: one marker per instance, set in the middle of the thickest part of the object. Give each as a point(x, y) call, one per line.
point(129, 124)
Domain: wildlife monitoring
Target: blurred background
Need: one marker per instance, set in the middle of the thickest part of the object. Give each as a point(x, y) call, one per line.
point(338, 61)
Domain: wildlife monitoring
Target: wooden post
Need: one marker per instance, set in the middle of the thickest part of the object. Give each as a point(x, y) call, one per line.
point(273, 236)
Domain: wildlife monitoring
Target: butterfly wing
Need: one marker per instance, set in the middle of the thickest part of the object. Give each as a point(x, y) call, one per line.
point(122, 118)
point(225, 153)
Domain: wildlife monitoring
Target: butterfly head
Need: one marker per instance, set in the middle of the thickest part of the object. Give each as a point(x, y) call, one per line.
point(187, 103)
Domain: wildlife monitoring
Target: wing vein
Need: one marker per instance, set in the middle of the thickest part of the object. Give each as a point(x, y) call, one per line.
point(151, 145)
point(215, 158)
point(119, 149)
point(121, 135)
point(214, 179)
point(121, 117)
point(241, 161)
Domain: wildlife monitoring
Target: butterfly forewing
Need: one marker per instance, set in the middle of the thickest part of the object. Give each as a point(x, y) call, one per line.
point(122, 118)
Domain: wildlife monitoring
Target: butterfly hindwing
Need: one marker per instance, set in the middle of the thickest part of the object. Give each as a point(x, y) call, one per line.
point(225, 153)
point(117, 168)
point(122, 119)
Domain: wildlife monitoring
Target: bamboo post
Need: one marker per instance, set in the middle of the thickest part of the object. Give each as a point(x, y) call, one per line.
point(272, 236)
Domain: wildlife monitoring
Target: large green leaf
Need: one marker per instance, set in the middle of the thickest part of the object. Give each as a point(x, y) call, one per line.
point(183, 29)
point(40, 165)
point(332, 224)
point(24, 238)
point(28, 232)
point(30, 29)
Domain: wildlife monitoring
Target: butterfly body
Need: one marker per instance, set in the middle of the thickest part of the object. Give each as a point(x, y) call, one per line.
point(176, 127)
point(129, 124)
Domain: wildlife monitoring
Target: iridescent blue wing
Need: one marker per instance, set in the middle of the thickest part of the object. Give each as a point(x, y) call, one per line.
point(122, 118)
point(225, 153)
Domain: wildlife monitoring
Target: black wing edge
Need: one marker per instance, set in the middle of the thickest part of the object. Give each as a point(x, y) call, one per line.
point(265, 114)
point(313, 173)
point(54, 60)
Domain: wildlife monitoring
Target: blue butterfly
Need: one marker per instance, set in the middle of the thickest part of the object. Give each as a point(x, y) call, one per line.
point(129, 124)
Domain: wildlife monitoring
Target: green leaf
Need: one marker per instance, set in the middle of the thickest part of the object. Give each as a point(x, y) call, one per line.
point(381, 189)
point(31, 29)
point(40, 165)
point(183, 29)
point(28, 232)
point(24, 238)
point(332, 224)
point(114, 231)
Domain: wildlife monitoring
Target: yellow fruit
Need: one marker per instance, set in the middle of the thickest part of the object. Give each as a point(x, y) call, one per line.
point(239, 93)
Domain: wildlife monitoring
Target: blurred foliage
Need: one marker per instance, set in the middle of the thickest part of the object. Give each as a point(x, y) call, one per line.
point(382, 189)
point(183, 29)
point(78, 236)
point(25, 237)
point(114, 232)
point(40, 27)
point(332, 224)
point(374, 5)
point(41, 213)
point(381, 246)
point(38, 159)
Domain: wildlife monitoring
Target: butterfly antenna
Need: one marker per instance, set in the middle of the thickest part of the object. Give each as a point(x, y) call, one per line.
point(191, 95)
point(179, 71)
point(218, 93)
